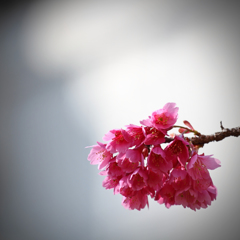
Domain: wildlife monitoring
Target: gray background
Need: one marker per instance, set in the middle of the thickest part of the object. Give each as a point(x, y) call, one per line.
point(72, 70)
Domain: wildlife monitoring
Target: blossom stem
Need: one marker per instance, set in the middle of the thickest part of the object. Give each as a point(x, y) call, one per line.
point(190, 130)
point(218, 136)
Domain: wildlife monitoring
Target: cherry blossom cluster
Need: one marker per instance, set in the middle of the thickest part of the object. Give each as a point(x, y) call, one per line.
point(136, 165)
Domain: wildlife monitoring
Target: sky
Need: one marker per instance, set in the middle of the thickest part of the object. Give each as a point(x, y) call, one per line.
point(73, 70)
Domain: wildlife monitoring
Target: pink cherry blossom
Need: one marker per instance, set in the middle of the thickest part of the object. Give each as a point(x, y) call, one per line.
point(136, 133)
point(209, 162)
point(164, 118)
point(120, 141)
point(179, 179)
point(111, 182)
point(113, 168)
point(198, 165)
point(136, 155)
point(125, 164)
point(203, 199)
point(166, 195)
point(138, 179)
point(153, 136)
point(177, 151)
point(157, 161)
point(186, 198)
point(124, 188)
point(202, 184)
point(196, 169)
point(99, 155)
point(155, 180)
point(212, 190)
point(137, 201)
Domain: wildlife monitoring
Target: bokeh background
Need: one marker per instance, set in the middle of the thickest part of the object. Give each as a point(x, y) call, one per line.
point(70, 71)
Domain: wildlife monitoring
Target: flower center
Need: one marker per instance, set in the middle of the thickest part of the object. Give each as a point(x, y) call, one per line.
point(162, 119)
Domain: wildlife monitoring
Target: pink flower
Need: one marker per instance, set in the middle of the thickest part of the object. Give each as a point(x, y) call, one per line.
point(195, 199)
point(209, 162)
point(157, 161)
point(136, 133)
point(186, 198)
point(99, 155)
point(164, 118)
point(137, 201)
point(111, 182)
point(198, 165)
point(113, 169)
point(179, 179)
point(177, 151)
point(125, 164)
point(202, 184)
point(166, 195)
point(155, 180)
point(212, 190)
point(136, 155)
point(120, 141)
point(124, 188)
point(203, 199)
point(138, 179)
point(153, 136)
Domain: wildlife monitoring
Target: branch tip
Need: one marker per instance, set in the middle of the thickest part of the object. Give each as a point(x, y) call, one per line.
point(221, 125)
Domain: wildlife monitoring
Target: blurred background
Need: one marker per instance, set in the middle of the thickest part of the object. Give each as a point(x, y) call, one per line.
point(70, 71)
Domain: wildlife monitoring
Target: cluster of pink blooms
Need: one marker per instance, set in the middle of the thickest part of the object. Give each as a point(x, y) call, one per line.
point(136, 165)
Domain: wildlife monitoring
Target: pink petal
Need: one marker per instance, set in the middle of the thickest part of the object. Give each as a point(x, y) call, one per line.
point(126, 136)
point(159, 151)
point(109, 136)
point(209, 162)
point(179, 173)
point(192, 161)
point(188, 124)
point(169, 106)
point(146, 122)
point(133, 155)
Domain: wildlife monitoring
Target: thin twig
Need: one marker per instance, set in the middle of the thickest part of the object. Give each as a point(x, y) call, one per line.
point(221, 125)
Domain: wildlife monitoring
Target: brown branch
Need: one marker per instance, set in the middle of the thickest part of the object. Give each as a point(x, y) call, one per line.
point(218, 136)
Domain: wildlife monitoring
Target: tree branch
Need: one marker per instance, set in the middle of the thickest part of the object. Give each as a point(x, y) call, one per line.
point(218, 136)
